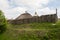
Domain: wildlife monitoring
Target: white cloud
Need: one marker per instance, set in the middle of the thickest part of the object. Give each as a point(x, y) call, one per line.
point(4, 4)
point(58, 12)
point(13, 13)
point(31, 3)
point(47, 11)
point(20, 6)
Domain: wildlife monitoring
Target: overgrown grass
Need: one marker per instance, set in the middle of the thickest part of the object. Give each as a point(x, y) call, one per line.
point(37, 26)
point(32, 31)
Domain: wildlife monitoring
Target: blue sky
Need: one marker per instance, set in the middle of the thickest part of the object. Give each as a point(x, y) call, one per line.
point(14, 8)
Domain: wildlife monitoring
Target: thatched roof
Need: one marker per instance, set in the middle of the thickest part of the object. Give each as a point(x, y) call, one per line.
point(24, 16)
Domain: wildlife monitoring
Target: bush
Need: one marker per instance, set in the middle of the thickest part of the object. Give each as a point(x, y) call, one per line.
point(2, 23)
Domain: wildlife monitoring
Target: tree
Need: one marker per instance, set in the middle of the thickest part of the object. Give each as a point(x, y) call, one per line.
point(3, 23)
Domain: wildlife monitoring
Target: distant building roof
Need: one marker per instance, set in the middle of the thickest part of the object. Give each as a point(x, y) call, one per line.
point(24, 16)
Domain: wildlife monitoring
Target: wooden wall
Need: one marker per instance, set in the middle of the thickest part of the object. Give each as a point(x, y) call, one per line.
point(44, 18)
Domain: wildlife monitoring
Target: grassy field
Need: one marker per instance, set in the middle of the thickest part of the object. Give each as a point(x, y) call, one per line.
point(32, 31)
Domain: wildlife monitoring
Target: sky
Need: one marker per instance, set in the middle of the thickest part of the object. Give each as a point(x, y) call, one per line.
point(13, 8)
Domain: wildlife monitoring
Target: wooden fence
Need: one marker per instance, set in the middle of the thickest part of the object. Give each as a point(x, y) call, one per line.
point(44, 18)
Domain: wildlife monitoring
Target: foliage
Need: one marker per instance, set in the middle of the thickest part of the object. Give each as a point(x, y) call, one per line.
point(2, 22)
point(46, 31)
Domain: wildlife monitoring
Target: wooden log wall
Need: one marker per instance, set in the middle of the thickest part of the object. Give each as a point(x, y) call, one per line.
point(44, 18)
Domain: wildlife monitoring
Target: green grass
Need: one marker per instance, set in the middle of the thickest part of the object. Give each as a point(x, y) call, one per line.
point(32, 31)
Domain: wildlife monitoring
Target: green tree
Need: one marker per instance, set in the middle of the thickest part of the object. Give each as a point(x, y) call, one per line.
point(3, 23)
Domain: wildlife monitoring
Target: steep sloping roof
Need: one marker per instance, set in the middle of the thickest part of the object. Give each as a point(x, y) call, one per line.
point(24, 16)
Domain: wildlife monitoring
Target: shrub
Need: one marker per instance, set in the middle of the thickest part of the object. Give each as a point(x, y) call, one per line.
point(2, 22)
